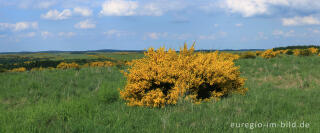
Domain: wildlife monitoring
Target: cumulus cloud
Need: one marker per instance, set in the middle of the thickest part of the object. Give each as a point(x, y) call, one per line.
point(262, 36)
point(297, 21)
point(248, 8)
point(117, 33)
point(278, 33)
point(86, 24)
point(19, 26)
point(46, 34)
point(56, 15)
point(252, 7)
point(239, 25)
point(28, 35)
point(66, 34)
point(82, 11)
point(45, 4)
point(155, 35)
point(135, 8)
point(119, 8)
point(213, 36)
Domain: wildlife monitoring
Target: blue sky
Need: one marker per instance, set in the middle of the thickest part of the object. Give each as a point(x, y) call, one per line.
point(36, 25)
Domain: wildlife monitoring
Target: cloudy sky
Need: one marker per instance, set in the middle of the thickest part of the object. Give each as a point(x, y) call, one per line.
point(34, 25)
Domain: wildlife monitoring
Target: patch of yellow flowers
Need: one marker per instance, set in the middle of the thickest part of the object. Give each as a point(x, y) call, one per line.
point(99, 64)
point(64, 65)
point(270, 54)
point(20, 69)
point(163, 77)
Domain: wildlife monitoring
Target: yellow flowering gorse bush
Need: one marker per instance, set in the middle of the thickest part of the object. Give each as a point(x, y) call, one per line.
point(269, 54)
point(313, 50)
point(163, 77)
point(20, 69)
point(64, 65)
point(101, 64)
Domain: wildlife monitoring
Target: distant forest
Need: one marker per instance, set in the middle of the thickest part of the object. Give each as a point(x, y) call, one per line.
point(296, 47)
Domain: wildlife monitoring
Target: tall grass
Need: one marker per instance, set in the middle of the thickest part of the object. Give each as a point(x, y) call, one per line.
point(280, 89)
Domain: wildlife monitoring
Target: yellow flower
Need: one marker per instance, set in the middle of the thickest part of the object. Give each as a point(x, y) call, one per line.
point(163, 77)
point(20, 69)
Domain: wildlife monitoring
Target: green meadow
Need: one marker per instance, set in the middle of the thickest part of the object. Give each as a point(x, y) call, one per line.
point(281, 90)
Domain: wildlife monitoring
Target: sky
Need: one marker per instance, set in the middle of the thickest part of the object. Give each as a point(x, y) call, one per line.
point(73, 25)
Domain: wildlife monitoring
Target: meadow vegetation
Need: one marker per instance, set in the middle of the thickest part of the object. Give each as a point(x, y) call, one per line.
point(282, 88)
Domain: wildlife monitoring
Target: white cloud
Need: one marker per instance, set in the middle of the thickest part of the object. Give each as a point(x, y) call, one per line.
point(28, 35)
point(117, 33)
point(262, 36)
point(297, 21)
point(278, 33)
point(249, 8)
point(19, 26)
point(239, 25)
point(45, 4)
point(86, 24)
point(134, 8)
point(56, 15)
point(119, 8)
point(315, 31)
point(155, 35)
point(213, 36)
point(46, 34)
point(152, 10)
point(66, 34)
point(82, 11)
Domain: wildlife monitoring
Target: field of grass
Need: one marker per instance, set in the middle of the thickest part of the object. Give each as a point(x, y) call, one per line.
point(282, 89)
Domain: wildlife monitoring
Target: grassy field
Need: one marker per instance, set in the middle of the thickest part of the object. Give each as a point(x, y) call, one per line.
point(283, 89)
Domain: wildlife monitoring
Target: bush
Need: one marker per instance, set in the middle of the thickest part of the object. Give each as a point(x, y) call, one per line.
point(101, 64)
point(288, 51)
point(20, 69)
point(258, 53)
point(269, 54)
point(302, 52)
point(313, 50)
point(163, 77)
point(64, 65)
point(248, 55)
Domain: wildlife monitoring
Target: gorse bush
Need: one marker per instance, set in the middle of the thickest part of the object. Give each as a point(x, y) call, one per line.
point(269, 54)
point(302, 52)
point(101, 64)
point(164, 77)
point(288, 51)
point(20, 69)
point(258, 53)
point(64, 65)
point(313, 50)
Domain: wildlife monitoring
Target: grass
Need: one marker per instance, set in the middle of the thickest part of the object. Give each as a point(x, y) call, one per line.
point(281, 89)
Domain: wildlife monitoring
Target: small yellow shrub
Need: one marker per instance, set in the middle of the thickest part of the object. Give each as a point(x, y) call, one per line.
point(101, 64)
point(20, 69)
point(64, 65)
point(302, 52)
point(258, 53)
point(313, 50)
point(163, 77)
point(288, 52)
point(269, 54)
point(230, 55)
